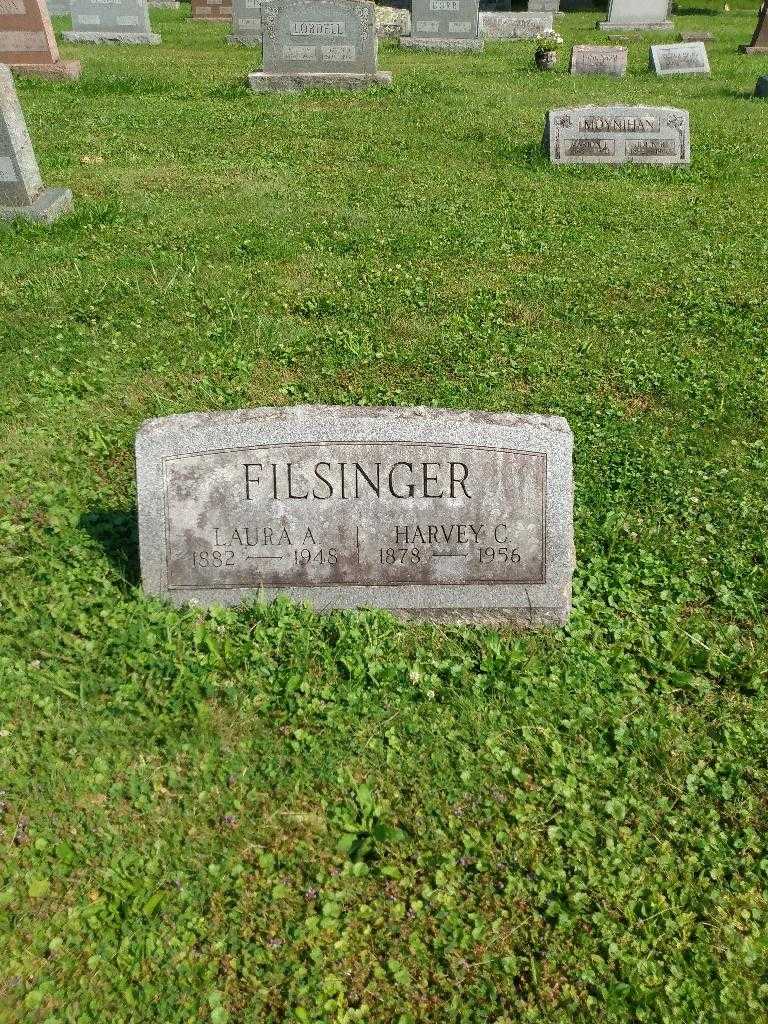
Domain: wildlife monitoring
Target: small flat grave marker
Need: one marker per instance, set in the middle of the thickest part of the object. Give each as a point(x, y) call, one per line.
point(637, 15)
point(27, 42)
point(680, 59)
point(696, 37)
point(515, 25)
point(618, 135)
point(599, 60)
point(22, 193)
point(433, 514)
point(318, 44)
point(246, 23)
point(444, 25)
point(212, 10)
point(111, 21)
point(759, 42)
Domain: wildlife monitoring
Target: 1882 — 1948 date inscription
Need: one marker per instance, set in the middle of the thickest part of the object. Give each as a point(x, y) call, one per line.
point(450, 515)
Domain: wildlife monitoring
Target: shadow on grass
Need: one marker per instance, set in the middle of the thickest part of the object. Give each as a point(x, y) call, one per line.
point(116, 532)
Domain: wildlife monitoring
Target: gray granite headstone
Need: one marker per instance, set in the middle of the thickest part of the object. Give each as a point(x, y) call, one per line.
point(679, 59)
point(637, 15)
point(761, 89)
point(599, 60)
point(544, 6)
point(22, 193)
point(515, 25)
point(111, 21)
point(318, 43)
point(392, 22)
point(435, 514)
point(246, 23)
point(444, 25)
point(618, 135)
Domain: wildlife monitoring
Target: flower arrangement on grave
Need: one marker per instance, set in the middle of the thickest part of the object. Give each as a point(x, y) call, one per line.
point(545, 56)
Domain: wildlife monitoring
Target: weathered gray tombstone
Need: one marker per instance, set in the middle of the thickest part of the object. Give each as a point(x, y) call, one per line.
point(28, 44)
point(444, 25)
point(759, 42)
point(392, 22)
point(618, 135)
point(318, 44)
point(22, 193)
point(679, 59)
point(544, 6)
point(599, 60)
point(111, 21)
point(513, 25)
point(246, 23)
point(637, 15)
point(433, 514)
point(761, 89)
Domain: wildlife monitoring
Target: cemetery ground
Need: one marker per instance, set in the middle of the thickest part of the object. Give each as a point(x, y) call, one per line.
point(264, 814)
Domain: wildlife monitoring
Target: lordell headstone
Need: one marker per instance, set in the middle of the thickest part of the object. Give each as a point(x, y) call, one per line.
point(444, 25)
point(599, 60)
point(318, 44)
point(450, 516)
point(759, 42)
point(246, 23)
point(618, 135)
point(22, 193)
point(637, 15)
point(27, 42)
point(111, 21)
point(679, 59)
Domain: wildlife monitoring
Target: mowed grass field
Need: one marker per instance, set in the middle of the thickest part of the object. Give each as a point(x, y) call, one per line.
point(263, 815)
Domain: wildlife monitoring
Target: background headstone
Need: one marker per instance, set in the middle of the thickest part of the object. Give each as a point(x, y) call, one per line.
point(59, 7)
point(759, 42)
point(444, 25)
point(441, 515)
point(392, 22)
point(618, 135)
point(544, 6)
point(637, 14)
point(515, 25)
point(27, 42)
point(172, 4)
point(22, 193)
point(211, 10)
point(696, 37)
point(111, 21)
point(680, 59)
point(599, 60)
point(246, 23)
point(318, 43)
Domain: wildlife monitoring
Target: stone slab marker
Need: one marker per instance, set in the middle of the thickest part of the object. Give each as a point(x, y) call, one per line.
point(515, 25)
point(27, 42)
point(679, 59)
point(211, 10)
point(759, 42)
point(544, 6)
point(618, 135)
point(599, 60)
point(310, 44)
point(637, 15)
point(246, 23)
point(22, 193)
point(432, 514)
point(452, 25)
point(392, 22)
point(111, 21)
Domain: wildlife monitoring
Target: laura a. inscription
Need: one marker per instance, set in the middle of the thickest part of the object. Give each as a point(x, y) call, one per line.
point(410, 513)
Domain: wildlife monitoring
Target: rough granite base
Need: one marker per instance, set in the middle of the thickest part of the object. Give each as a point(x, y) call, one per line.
point(264, 81)
point(149, 38)
point(51, 204)
point(62, 70)
point(635, 26)
point(753, 49)
point(244, 40)
point(448, 45)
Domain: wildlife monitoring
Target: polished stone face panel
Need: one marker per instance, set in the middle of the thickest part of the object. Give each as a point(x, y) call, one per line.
point(431, 513)
point(679, 59)
point(599, 60)
point(618, 135)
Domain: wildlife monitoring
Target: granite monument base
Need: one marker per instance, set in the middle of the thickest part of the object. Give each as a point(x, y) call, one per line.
point(61, 70)
point(149, 38)
point(292, 81)
point(635, 26)
point(446, 45)
point(51, 204)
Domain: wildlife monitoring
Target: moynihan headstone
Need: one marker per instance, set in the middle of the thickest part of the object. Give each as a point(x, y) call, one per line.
point(27, 42)
point(759, 42)
point(318, 44)
point(599, 60)
point(679, 59)
point(435, 514)
point(618, 135)
point(444, 25)
point(111, 21)
point(22, 193)
point(637, 15)
point(246, 23)
point(515, 25)
point(211, 10)
point(761, 89)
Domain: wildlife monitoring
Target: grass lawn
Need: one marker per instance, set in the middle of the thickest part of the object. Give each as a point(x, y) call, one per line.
point(264, 815)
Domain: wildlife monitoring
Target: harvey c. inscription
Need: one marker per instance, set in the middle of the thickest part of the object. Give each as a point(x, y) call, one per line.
point(420, 511)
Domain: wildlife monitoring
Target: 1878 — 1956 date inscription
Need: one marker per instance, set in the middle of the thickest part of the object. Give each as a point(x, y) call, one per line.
point(421, 511)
